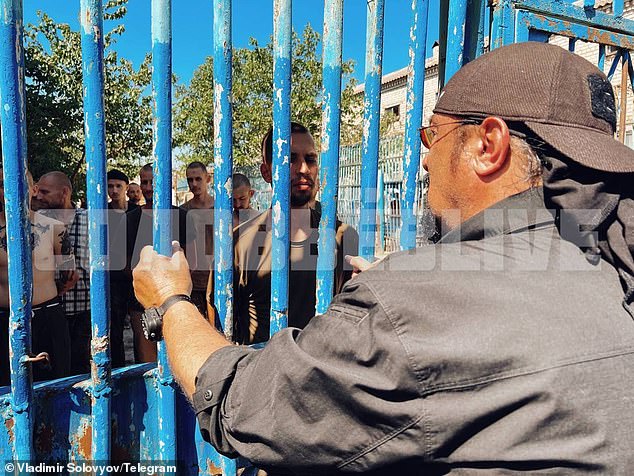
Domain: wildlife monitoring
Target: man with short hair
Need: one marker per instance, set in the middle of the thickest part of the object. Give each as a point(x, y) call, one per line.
point(117, 189)
point(506, 347)
point(252, 248)
point(53, 198)
point(134, 194)
point(242, 195)
point(198, 180)
point(200, 216)
point(52, 254)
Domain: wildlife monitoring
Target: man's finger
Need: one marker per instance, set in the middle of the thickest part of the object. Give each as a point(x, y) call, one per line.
point(358, 263)
point(176, 247)
point(178, 257)
point(147, 254)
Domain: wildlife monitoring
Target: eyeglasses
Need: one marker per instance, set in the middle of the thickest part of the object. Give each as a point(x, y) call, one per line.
point(428, 135)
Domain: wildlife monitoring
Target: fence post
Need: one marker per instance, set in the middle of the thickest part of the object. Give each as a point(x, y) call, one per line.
point(456, 37)
point(329, 176)
point(95, 138)
point(413, 120)
point(162, 200)
point(223, 183)
point(371, 124)
point(280, 218)
point(16, 208)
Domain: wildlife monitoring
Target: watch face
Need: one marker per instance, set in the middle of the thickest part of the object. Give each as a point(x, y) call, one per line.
point(152, 324)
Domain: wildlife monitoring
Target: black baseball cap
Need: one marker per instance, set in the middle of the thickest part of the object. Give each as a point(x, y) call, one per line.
point(115, 174)
point(559, 96)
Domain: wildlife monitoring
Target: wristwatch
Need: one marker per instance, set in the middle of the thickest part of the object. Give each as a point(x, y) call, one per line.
point(152, 319)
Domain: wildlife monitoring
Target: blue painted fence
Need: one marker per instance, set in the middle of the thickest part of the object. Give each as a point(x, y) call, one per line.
point(136, 414)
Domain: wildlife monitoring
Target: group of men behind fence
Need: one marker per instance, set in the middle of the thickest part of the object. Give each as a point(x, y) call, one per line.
point(61, 321)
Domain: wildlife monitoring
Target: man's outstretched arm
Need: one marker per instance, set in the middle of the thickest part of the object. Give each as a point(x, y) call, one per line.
point(189, 338)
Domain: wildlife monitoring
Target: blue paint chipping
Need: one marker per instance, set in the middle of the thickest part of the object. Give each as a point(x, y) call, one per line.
point(223, 189)
point(95, 142)
point(329, 174)
point(371, 121)
point(223, 165)
point(162, 200)
point(12, 113)
point(135, 414)
point(456, 37)
point(413, 120)
point(281, 164)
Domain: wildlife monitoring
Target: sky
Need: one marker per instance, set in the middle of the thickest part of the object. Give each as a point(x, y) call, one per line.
point(192, 20)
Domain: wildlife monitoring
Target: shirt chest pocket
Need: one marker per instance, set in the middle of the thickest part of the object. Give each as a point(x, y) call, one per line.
point(349, 314)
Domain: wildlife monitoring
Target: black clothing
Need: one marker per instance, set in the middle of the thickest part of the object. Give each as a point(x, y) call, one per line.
point(499, 349)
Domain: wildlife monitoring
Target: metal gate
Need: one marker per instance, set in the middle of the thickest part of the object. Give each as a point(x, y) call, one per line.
point(136, 414)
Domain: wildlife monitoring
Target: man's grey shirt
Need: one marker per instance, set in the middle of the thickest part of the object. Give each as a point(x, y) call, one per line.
point(505, 352)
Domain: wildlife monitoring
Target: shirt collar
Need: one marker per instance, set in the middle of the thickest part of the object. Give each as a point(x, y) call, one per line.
point(514, 214)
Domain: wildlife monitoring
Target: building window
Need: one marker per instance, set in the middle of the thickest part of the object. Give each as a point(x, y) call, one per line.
point(395, 110)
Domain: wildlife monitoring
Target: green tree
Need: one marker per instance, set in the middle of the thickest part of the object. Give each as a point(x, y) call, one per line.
point(253, 100)
point(54, 99)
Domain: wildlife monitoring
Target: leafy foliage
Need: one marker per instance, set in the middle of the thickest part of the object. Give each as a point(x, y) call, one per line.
point(252, 96)
point(54, 99)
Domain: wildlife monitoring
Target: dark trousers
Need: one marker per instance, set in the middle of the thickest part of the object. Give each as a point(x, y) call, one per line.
point(119, 296)
point(49, 333)
point(80, 330)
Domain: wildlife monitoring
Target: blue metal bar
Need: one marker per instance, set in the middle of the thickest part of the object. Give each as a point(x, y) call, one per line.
point(571, 44)
point(413, 120)
point(615, 63)
point(630, 70)
point(371, 121)
point(601, 60)
point(223, 184)
point(617, 8)
point(16, 209)
point(162, 200)
point(575, 30)
point(281, 163)
point(381, 210)
point(95, 138)
point(223, 165)
point(503, 29)
point(456, 37)
point(329, 178)
point(566, 13)
point(481, 28)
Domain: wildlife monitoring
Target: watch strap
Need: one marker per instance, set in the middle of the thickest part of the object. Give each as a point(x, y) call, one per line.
point(170, 301)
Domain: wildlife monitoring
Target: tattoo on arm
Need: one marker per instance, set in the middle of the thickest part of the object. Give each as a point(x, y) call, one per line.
point(65, 242)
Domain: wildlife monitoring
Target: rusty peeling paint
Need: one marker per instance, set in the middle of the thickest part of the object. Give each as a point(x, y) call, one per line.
point(212, 469)
point(84, 446)
point(9, 424)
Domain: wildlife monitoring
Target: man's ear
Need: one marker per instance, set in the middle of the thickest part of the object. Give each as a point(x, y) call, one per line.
point(251, 193)
point(265, 170)
point(494, 147)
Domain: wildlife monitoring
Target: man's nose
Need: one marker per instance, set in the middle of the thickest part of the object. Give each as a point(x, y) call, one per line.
point(302, 167)
point(425, 162)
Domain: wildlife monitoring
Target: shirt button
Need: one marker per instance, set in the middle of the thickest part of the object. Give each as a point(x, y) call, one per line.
point(208, 395)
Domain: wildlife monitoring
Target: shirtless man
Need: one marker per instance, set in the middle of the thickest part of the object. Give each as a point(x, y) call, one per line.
point(49, 327)
point(200, 216)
